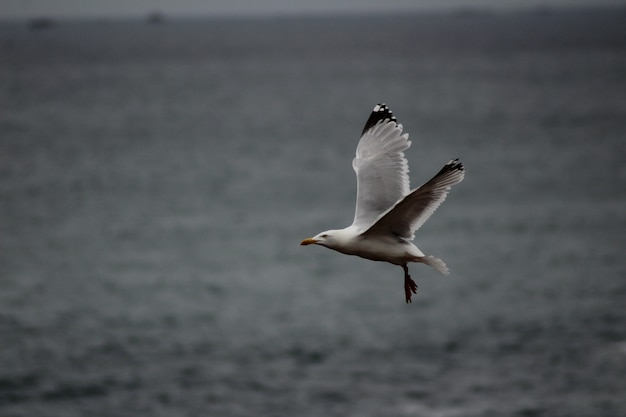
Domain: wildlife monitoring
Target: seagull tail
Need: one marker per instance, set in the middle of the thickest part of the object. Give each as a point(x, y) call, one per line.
point(434, 262)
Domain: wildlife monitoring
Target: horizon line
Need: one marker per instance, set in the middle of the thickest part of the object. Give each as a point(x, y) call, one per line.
point(179, 16)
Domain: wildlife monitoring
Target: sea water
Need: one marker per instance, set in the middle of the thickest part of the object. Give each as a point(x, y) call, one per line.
point(156, 180)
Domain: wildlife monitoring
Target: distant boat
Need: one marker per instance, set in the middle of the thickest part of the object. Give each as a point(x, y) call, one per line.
point(39, 23)
point(155, 18)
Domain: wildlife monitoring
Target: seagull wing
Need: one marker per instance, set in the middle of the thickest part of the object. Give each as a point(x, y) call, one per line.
point(409, 214)
point(382, 171)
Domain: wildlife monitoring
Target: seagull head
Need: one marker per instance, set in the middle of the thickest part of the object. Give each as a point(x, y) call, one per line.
point(333, 239)
point(325, 239)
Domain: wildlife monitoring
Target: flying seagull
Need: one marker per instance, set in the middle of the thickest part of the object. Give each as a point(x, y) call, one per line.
point(387, 212)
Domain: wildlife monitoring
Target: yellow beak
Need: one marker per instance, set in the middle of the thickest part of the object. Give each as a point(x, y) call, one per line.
point(308, 241)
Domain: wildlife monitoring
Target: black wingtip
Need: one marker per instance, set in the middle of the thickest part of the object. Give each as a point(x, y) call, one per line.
point(455, 164)
point(452, 165)
point(380, 113)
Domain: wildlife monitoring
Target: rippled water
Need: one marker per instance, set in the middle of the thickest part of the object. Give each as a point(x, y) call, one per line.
point(155, 181)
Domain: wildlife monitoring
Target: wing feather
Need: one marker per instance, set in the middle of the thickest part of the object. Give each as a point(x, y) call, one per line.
point(409, 214)
point(381, 168)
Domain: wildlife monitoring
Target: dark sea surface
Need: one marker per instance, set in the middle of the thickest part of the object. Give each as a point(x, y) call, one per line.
point(156, 180)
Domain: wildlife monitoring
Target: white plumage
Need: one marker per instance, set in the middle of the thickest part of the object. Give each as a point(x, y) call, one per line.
point(387, 213)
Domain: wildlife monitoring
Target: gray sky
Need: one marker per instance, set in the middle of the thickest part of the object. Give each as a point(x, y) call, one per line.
point(111, 8)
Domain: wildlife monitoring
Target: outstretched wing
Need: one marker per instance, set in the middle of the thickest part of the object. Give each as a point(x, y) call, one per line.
point(382, 171)
point(408, 215)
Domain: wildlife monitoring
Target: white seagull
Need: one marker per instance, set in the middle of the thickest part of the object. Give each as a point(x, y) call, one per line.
point(387, 212)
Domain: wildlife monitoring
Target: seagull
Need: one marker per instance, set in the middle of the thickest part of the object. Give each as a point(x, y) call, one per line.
point(388, 213)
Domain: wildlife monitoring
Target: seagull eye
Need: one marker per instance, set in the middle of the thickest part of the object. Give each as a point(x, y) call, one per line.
point(324, 235)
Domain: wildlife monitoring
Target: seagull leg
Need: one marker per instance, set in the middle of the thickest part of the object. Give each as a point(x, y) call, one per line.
point(409, 284)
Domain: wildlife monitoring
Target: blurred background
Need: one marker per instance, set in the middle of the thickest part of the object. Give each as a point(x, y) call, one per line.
point(158, 171)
